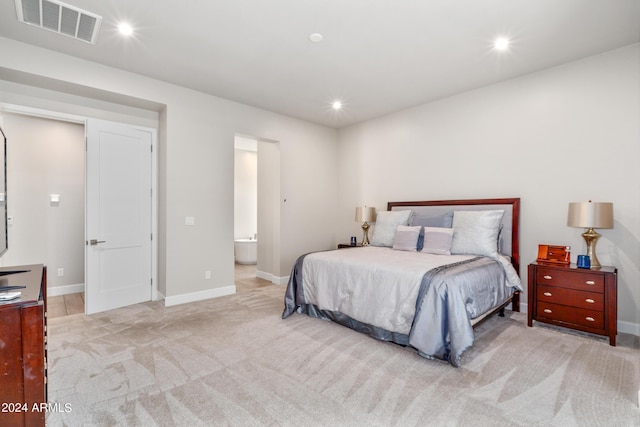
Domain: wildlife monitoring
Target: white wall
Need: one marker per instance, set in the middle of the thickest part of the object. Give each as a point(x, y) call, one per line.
point(570, 133)
point(196, 166)
point(269, 210)
point(46, 157)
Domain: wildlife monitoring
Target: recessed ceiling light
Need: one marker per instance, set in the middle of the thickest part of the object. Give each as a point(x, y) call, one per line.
point(316, 37)
point(125, 29)
point(501, 43)
point(336, 105)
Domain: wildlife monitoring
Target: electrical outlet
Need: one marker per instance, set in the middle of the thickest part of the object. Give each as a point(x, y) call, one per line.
point(60, 272)
point(207, 275)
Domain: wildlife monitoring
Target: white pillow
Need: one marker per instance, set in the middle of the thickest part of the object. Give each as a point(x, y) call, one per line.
point(386, 224)
point(406, 238)
point(476, 232)
point(437, 240)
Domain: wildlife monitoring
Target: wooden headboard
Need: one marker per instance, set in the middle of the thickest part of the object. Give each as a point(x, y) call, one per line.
point(510, 222)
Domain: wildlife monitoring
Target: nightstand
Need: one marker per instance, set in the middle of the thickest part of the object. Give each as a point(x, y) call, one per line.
point(348, 245)
point(576, 298)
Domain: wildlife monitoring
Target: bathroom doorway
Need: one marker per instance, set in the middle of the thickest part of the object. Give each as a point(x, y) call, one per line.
point(257, 201)
point(245, 231)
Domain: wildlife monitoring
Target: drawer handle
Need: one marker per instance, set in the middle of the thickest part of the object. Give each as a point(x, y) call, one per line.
point(590, 319)
point(590, 301)
point(546, 310)
point(590, 282)
point(548, 277)
point(547, 294)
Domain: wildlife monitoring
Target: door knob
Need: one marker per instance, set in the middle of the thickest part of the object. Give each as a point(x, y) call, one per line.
point(94, 242)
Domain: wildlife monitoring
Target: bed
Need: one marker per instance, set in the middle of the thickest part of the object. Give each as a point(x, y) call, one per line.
point(433, 271)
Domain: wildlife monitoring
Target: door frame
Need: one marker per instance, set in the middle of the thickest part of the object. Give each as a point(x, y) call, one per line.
point(80, 119)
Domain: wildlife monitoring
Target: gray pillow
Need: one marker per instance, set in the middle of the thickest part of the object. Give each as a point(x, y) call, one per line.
point(476, 232)
point(406, 238)
point(425, 220)
point(437, 240)
point(386, 224)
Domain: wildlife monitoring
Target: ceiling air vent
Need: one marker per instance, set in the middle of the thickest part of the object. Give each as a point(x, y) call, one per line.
point(60, 18)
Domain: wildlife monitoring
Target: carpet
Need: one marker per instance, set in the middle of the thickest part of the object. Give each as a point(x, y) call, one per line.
point(234, 361)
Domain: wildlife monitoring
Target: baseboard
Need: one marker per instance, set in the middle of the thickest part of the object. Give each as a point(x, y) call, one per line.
point(523, 306)
point(281, 280)
point(629, 328)
point(264, 275)
point(273, 279)
point(199, 296)
point(55, 291)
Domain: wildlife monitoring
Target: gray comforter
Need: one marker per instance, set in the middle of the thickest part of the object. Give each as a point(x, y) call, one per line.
point(448, 298)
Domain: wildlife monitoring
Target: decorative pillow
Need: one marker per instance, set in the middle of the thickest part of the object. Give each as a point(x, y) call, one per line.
point(444, 220)
point(437, 240)
point(406, 238)
point(386, 224)
point(425, 220)
point(476, 232)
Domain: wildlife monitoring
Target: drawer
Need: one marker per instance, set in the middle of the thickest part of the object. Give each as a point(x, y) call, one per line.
point(570, 297)
point(572, 279)
point(577, 316)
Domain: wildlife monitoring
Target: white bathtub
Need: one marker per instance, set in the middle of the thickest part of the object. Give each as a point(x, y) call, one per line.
point(246, 251)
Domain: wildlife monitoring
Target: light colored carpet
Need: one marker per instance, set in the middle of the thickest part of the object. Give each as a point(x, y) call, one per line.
point(234, 361)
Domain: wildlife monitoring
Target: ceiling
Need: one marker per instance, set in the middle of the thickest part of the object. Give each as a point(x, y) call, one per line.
point(377, 56)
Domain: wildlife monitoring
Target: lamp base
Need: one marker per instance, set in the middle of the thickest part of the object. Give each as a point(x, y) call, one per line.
point(365, 233)
point(591, 238)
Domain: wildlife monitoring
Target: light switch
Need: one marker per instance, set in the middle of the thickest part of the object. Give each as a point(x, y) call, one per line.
point(55, 198)
point(189, 220)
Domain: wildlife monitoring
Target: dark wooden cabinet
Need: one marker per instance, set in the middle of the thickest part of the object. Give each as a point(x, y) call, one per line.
point(576, 298)
point(23, 366)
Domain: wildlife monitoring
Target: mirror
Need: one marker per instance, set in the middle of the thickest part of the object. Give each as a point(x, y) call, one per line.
point(3, 193)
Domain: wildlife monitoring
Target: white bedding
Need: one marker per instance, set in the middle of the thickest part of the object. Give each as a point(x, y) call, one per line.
point(350, 281)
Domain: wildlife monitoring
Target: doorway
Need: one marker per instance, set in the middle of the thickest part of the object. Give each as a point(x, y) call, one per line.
point(46, 200)
point(245, 206)
point(259, 207)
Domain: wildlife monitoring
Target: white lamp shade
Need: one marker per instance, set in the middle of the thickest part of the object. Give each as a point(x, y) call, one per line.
point(365, 214)
point(590, 215)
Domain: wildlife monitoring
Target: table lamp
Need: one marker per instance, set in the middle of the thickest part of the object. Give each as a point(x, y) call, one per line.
point(591, 215)
point(364, 215)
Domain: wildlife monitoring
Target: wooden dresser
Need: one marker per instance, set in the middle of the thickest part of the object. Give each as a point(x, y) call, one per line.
point(582, 299)
point(23, 367)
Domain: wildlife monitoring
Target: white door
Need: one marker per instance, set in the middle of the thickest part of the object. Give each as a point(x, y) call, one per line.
point(118, 258)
